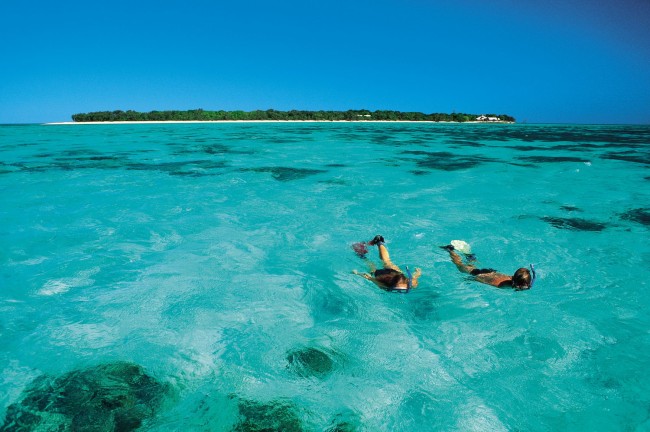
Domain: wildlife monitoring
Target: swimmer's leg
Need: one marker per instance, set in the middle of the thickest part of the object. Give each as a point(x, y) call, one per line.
point(458, 261)
point(385, 257)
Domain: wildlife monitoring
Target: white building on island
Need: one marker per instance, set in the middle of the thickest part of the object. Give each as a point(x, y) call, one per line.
point(487, 119)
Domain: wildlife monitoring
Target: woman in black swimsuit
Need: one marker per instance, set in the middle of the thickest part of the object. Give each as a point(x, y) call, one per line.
point(521, 280)
point(391, 277)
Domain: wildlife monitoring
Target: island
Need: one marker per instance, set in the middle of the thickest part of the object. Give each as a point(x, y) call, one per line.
point(293, 115)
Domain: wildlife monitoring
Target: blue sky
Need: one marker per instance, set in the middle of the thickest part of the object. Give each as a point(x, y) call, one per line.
point(565, 61)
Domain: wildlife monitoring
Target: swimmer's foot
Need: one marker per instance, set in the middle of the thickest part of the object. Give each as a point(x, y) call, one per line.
point(377, 240)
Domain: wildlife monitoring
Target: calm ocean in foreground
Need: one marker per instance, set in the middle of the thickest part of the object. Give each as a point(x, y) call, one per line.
point(198, 277)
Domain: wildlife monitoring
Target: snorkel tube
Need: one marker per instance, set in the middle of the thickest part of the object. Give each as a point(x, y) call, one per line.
point(410, 277)
point(533, 276)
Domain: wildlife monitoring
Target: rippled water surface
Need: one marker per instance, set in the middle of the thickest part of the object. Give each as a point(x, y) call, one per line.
point(212, 262)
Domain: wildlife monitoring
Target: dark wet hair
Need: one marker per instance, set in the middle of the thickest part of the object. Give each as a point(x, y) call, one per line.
point(390, 277)
point(521, 280)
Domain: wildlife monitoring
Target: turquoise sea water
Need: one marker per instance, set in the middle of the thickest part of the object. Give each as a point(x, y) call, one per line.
point(217, 257)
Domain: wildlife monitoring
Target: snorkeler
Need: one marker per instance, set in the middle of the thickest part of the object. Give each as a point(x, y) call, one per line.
point(523, 278)
point(389, 278)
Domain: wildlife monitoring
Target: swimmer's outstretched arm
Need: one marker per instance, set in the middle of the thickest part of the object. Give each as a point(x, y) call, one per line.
point(363, 275)
point(370, 278)
point(371, 265)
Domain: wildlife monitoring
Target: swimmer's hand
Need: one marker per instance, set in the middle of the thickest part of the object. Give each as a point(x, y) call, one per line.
point(363, 275)
point(448, 247)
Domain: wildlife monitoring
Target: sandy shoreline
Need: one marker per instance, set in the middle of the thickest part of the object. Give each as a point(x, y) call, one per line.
point(262, 121)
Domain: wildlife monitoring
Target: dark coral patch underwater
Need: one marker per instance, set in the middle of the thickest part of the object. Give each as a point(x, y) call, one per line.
point(553, 159)
point(575, 224)
point(570, 208)
point(610, 136)
point(334, 181)
point(200, 167)
point(286, 173)
point(640, 215)
point(465, 143)
point(629, 156)
point(192, 168)
point(559, 147)
point(307, 362)
point(446, 161)
point(277, 415)
point(117, 396)
point(220, 149)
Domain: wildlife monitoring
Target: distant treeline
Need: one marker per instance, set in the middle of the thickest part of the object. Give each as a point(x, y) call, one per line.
point(204, 115)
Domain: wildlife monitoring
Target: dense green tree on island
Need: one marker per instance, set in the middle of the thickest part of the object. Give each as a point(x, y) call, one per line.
point(271, 114)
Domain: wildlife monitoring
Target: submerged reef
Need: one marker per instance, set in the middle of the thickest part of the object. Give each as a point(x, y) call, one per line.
point(576, 224)
point(286, 173)
point(344, 422)
point(640, 215)
point(307, 362)
point(82, 160)
point(116, 396)
point(570, 208)
point(341, 427)
point(445, 161)
point(629, 156)
point(553, 159)
point(277, 415)
point(284, 415)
